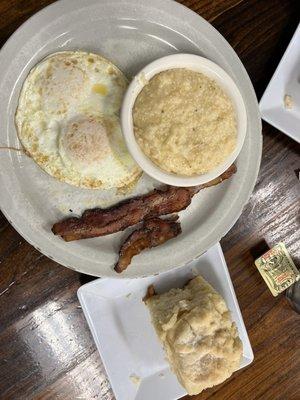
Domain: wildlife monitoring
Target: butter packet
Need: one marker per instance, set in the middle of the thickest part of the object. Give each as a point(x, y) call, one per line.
point(277, 269)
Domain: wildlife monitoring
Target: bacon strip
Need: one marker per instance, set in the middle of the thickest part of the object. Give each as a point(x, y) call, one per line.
point(154, 232)
point(100, 222)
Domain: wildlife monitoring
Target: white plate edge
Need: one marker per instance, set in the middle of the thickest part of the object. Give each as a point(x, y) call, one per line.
point(263, 101)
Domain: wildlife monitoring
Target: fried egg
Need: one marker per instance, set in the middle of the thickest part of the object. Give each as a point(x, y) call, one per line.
point(68, 120)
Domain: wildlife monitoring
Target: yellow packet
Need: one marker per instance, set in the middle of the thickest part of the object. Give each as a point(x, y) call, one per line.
point(277, 269)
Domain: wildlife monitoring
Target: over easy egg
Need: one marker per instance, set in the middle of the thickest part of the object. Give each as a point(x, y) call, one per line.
point(67, 120)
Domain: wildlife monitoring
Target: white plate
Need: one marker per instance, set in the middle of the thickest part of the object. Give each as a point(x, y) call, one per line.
point(286, 80)
point(121, 327)
point(130, 33)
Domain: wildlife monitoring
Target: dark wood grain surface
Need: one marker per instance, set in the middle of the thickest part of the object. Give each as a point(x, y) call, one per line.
point(46, 350)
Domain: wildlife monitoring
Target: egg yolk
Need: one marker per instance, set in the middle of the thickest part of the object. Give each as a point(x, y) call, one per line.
point(62, 84)
point(86, 142)
point(100, 89)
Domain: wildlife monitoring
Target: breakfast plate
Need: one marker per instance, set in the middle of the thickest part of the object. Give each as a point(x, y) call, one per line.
point(130, 34)
point(118, 337)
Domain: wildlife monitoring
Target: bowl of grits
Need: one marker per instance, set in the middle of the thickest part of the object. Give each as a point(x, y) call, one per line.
point(183, 119)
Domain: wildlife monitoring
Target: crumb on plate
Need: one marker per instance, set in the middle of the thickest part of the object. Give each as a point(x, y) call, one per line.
point(135, 379)
point(288, 102)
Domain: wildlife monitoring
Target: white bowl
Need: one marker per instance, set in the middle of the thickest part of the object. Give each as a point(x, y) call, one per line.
point(194, 63)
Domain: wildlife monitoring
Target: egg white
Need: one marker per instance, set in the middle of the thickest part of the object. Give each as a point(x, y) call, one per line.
point(67, 120)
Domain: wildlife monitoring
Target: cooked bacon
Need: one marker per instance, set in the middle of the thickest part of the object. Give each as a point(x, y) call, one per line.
point(154, 232)
point(100, 222)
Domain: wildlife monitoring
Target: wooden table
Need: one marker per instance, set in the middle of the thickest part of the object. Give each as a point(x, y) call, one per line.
point(46, 350)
